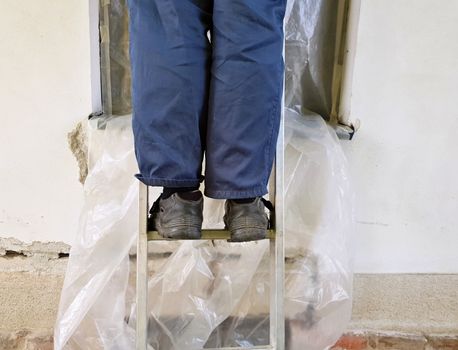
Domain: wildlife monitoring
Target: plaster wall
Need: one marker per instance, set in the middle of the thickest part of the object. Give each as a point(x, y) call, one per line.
point(46, 88)
point(403, 158)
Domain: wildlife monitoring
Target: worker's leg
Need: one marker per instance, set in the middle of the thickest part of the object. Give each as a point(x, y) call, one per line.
point(245, 96)
point(170, 59)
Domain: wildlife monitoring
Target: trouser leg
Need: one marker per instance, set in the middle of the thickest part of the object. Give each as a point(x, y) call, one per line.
point(170, 59)
point(245, 96)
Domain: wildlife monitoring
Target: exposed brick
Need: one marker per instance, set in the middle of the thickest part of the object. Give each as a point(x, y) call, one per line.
point(397, 342)
point(351, 342)
point(441, 342)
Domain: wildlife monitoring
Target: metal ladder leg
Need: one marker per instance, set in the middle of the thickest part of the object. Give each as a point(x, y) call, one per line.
point(142, 271)
point(277, 246)
point(277, 251)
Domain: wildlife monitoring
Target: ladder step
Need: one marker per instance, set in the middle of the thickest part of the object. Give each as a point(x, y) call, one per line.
point(209, 235)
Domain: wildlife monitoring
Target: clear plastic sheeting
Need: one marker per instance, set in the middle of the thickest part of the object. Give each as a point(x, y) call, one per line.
point(204, 294)
point(213, 294)
point(310, 52)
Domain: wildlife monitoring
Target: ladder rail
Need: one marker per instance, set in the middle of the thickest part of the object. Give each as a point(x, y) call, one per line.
point(142, 271)
point(277, 251)
point(277, 246)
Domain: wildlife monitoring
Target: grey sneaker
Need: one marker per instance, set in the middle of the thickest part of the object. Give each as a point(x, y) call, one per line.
point(177, 218)
point(246, 221)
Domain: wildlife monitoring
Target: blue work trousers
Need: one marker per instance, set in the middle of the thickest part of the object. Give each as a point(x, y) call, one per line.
point(207, 78)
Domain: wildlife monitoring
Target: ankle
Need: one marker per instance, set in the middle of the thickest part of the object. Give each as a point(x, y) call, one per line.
point(244, 200)
point(189, 193)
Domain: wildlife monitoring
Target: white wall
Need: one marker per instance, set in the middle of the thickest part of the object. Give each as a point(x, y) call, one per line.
point(45, 70)
point(404, 157)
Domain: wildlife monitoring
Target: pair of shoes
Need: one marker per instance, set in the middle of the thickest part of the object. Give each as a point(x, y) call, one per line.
point(178, 218)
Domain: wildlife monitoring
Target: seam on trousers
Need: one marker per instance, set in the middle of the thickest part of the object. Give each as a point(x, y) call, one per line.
point(267, 153)
point(272, 122)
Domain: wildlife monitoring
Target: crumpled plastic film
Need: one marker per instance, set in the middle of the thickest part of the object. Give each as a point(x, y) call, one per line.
point(204, 293)
point(319, 216)
point(310, 35)
point(213, 294)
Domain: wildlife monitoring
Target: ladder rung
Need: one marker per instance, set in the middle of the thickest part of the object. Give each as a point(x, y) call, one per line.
point(208, 235)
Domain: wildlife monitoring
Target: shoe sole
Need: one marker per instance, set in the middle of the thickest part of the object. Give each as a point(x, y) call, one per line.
point(248, 234)
point(180, 232)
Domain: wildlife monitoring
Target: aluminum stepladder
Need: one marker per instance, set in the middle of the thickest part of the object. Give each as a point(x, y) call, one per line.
point(277, 258)
point(276, 247)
